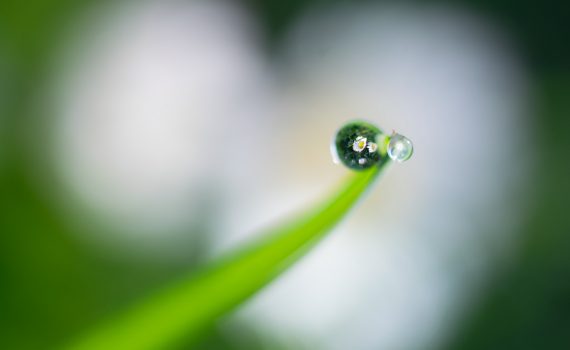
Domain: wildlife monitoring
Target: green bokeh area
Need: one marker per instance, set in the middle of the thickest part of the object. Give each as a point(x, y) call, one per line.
point(52, 287)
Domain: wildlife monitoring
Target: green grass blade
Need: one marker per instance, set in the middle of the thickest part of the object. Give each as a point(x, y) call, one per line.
point(182, 311)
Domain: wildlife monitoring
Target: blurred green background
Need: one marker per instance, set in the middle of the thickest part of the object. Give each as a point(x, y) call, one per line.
point(55, 283)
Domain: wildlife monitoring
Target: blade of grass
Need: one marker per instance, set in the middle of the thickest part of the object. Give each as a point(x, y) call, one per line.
point(185, 309)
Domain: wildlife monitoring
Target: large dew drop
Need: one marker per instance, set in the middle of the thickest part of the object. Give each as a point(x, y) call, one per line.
point(358, 145)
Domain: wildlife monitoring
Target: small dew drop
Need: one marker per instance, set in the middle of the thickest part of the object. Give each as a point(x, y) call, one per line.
point(400, 148)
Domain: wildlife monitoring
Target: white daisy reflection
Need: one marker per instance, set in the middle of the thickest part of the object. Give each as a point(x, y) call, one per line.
point(359, 144)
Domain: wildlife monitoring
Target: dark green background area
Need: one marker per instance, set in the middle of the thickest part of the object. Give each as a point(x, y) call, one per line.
point(51, 286)
point(539, 27)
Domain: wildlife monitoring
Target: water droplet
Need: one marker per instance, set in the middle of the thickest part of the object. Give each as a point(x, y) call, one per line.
point(359, 145)
point(400, 148)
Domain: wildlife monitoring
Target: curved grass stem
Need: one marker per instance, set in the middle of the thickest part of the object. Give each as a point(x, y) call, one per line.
point(183, 310)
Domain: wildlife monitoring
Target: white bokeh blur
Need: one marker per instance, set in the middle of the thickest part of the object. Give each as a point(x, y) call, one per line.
point(169, 102)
